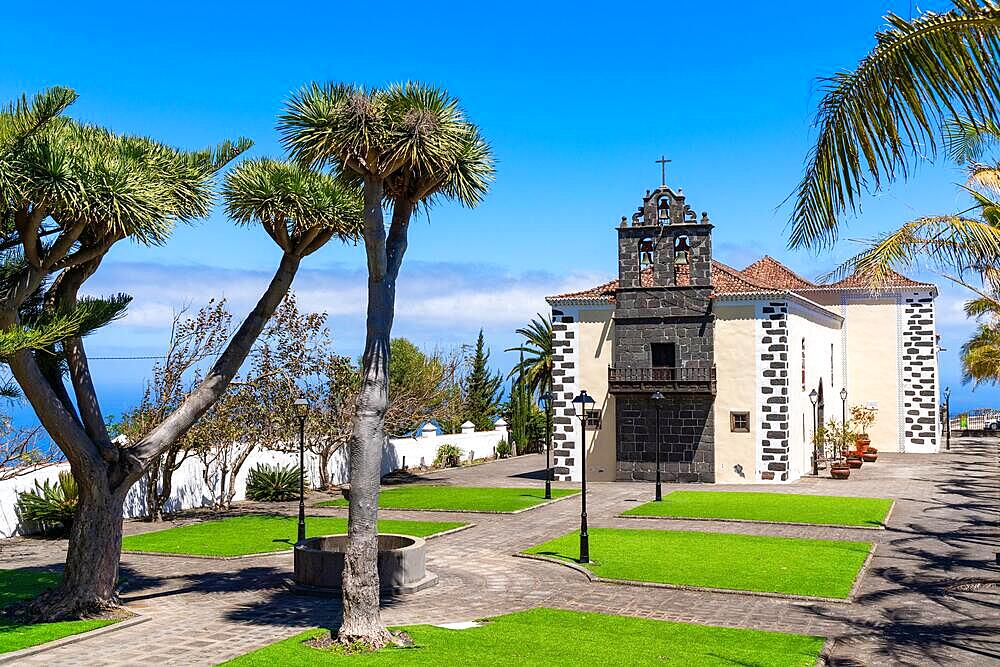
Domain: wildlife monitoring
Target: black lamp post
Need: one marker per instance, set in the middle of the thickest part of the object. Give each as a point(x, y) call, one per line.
point(658, 401)
point(301, 411)
point(843, 406)
point(547, 402)
point(580, 404)
point(947, 418)
point(813, 398)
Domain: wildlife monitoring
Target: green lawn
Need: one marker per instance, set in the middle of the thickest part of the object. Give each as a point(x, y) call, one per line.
point(464, 498)
point(17, 585)
point(242, 535)
point(748, 506)
point(554, 637)
point(793, 566)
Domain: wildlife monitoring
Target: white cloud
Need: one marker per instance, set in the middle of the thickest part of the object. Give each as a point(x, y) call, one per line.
point(431, 297)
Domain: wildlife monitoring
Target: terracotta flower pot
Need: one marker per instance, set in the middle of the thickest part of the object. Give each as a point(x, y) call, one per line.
point(869, 457)
point(862, 442)
point(840, 471)
point(854, 463)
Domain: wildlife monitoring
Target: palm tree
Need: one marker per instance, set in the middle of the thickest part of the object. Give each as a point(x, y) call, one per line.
point(875, 121)
point(535, 366)
point(981, 353)
point(406, 145)
point(83, 189)
point(963, 248)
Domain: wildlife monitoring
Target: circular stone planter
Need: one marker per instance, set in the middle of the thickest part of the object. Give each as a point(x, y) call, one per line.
point(319, 564)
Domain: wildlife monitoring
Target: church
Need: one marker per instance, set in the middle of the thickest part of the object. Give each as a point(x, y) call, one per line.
point(736, 363)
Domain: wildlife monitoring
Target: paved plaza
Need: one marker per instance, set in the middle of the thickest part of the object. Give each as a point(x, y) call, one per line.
point(930, 596)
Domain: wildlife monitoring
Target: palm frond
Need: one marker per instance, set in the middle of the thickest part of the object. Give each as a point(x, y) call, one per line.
point(982, 306)
point(948, 243)
point(535, 365)
point(876, 120)
point(986, 177)
point(981, 356)
point(292, 196)
point(966, 139)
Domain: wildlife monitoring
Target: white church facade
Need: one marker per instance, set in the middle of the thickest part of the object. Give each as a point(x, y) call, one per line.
point(735, 355)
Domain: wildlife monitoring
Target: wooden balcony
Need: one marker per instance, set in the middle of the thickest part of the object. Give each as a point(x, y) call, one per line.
point(665, 380)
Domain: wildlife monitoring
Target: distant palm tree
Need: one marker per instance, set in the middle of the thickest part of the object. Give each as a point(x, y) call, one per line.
point(535, 367)
point(981, 353)
point(876, 121)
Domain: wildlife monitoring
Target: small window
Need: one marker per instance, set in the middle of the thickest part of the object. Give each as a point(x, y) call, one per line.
point(803, 364)
point(664, 355)
point(739, 422)
point(594, 419)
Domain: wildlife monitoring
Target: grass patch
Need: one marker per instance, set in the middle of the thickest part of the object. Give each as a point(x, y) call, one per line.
point(825, 568)
point(461, 498)
point(555, 637)
point(749, 506)
point(21, 584)
point(252, 534)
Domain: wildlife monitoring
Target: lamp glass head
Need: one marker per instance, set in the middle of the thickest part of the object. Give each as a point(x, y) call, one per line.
point(301, 407)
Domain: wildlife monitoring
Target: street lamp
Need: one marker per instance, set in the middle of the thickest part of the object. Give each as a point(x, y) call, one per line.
point(947, 418)
point(843, 406)
point(813, 398)
point(580, 404)
point(301, 411)
point(547, 402)
point(658, 401)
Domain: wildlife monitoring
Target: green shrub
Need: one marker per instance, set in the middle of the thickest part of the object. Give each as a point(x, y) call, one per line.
point(503, 449)
point(51, 503)
point(267, 483)
point(448, 456)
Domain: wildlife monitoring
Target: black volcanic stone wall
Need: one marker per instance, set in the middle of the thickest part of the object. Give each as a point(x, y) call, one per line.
point(687, 447)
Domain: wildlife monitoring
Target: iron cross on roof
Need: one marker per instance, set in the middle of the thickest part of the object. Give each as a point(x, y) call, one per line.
point(663, 169)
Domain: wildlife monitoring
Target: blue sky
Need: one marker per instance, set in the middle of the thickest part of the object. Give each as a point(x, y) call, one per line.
point(578, 101)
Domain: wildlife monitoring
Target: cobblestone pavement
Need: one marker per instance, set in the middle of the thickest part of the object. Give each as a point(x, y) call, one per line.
point(931, 594)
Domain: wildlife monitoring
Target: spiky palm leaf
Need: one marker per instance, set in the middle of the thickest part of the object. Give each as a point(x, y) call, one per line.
point(413, 137)
point(536, 364)
point(874, 121)
point(291, 197)
point(120, 185)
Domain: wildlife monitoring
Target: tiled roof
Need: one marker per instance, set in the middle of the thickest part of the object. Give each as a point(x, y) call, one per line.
point(765, 275)
point(894, 280)
point(769, 271)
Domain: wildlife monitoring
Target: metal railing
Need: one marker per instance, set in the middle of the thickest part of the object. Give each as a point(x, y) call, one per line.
point(647, 375)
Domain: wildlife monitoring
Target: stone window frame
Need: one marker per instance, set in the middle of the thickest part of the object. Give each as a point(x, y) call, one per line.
point(593, 419)
point(739, 415)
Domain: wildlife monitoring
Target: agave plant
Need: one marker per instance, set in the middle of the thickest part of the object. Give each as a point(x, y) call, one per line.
point(51, 503)
point(273, 483)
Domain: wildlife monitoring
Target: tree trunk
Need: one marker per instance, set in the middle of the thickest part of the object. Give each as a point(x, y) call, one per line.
point(90, 581)
point(324, 468)
point(362, 620)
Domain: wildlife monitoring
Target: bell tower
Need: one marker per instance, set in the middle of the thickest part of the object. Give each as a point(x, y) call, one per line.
point(664, 339)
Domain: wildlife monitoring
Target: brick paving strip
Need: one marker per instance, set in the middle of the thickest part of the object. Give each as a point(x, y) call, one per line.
point(910, 608)
point(773, 523)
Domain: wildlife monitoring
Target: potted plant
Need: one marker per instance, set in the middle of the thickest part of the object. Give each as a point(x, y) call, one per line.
point(833, 439)
point(864, 417)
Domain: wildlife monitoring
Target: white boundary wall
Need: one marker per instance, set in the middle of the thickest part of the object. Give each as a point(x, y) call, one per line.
point(190, 489)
